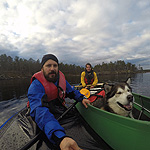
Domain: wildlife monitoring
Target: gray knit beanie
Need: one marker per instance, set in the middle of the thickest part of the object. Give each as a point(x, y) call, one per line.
point(47, 57)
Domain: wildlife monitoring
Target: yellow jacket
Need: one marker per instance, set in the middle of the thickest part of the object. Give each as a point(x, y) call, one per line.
point(83, 81)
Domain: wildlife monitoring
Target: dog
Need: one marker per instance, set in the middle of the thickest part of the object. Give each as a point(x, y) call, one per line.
point(118, 99)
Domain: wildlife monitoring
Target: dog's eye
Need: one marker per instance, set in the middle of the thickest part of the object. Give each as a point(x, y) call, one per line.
point(119, 93)
point(129, 90)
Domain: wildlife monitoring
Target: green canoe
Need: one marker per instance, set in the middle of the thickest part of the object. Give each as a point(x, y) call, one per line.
point(121, 133)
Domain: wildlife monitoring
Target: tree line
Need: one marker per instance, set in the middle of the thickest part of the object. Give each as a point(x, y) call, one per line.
point(19, 66)
point(22, 67)
point(117, 67)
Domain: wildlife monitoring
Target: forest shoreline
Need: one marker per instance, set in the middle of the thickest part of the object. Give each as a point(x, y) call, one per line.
point(16, 75)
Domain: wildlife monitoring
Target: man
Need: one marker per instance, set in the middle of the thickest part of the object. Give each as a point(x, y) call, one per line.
point(88, 77)
point(46, 96)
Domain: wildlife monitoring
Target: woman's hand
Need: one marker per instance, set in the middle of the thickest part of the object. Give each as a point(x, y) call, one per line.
point(91, 87)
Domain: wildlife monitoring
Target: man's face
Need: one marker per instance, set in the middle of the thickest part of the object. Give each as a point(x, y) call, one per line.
point(88, 68)
point(50, 70)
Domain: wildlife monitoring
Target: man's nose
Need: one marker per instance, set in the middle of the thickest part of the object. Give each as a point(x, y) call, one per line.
point(52, 67)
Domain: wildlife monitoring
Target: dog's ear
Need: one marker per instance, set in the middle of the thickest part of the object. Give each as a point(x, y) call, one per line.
point(128, 81)
point(107, 88)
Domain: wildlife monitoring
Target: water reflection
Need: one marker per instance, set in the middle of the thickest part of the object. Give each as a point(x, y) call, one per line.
point(114, 78)
point(73, 79)
point(103, 78)
point(13, 89)
point(141, 83)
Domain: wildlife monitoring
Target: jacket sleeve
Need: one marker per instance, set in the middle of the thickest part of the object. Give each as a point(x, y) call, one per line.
point(95, 80)
point(72, 93)
point(82, 79)
point(44, 119)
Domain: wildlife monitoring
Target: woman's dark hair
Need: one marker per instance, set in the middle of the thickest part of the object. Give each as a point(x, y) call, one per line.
point(88, 64)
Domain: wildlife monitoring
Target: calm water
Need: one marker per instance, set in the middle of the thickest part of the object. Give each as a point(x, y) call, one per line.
point(15, 89)
point(13, 92)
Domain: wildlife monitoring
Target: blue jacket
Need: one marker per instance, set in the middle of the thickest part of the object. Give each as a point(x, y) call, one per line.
point(42, 116)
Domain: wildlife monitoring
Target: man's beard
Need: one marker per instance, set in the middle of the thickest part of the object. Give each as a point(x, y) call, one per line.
point(52, 79)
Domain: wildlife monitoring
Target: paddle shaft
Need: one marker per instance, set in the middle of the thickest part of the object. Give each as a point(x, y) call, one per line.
point(35, 139)
point(67, 110)
point(88, 85)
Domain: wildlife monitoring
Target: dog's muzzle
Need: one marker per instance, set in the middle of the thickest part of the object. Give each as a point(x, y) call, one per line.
point(130, 98)
point(127, 107)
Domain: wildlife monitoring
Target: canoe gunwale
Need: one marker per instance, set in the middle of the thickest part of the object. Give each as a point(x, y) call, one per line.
point(142, 107)
point(110, 125)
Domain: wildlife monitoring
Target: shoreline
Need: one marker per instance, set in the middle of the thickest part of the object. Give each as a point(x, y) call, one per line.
point(7, 76)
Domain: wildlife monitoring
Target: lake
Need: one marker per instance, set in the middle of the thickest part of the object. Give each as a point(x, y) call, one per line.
point(17, 88)
point(13, 92)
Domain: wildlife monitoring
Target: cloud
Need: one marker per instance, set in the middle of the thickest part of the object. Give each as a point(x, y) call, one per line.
point(77, 31)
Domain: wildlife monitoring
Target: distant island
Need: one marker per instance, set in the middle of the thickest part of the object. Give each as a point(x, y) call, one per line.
point(21, 68)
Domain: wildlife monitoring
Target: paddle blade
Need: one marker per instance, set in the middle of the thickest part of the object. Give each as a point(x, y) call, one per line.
point(85, 92)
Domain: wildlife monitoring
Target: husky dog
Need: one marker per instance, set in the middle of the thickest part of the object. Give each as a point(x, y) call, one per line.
point(118, 99)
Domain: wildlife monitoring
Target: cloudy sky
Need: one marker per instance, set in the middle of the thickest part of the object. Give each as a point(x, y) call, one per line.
point(77, 31)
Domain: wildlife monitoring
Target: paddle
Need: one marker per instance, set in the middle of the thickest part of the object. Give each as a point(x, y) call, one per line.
point(35, 139)
point(89, 92)
point(85, 92)
point(88, 85)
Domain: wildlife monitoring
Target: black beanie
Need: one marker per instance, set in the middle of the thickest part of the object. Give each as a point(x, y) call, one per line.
point(47, 57)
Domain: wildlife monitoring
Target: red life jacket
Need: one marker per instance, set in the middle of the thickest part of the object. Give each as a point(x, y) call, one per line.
point(95, 96)
point(51, 90)
point(89, 77)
